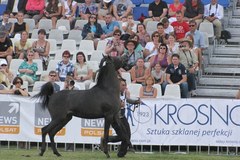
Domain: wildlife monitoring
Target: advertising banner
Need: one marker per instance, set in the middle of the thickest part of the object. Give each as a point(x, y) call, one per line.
point(213, 122)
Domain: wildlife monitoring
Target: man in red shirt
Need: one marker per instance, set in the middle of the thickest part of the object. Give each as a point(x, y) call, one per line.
point(180, 27)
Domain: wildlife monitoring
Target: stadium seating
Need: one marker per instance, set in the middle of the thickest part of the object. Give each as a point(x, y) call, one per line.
point(2, 8)
point(138, 11)
point(45, 24)
point(172, 91)
point(134, 89)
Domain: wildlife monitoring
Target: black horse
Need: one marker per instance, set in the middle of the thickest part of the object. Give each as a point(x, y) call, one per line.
point(101, 101)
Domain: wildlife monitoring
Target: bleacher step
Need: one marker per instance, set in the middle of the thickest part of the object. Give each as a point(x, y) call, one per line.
point(225, 61)
point(221, 70)
point(206, 92)
point(219, 81)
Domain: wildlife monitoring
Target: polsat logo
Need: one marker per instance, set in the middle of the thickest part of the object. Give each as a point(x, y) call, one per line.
point(10, 118)
point(93, 127)
point(43, 118)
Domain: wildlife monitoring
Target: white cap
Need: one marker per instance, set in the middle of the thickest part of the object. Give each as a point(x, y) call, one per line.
point(107, 1)
point(3, 61)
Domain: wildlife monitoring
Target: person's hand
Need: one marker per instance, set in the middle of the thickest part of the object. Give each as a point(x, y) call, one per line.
point(191, 70)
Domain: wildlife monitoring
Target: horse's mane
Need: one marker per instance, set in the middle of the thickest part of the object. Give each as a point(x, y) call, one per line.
point(102, 73)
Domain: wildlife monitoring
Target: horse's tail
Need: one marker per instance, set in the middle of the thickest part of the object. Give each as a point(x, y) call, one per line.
point(46, 91)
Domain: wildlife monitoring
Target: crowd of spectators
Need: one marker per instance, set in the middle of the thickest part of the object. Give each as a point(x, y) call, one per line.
point(176, 33)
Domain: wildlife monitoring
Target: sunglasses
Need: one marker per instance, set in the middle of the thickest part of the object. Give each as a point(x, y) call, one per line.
point(52, 75)
point(3, 65)
point(117, 34)
point(191, 25)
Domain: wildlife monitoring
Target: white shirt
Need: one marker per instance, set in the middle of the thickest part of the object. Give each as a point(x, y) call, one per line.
point(217, 9)
point(169, 29)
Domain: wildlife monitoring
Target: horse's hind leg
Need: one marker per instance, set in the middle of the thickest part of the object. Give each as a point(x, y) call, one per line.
point(43, 147)
point(54, 131)
point(107, 123)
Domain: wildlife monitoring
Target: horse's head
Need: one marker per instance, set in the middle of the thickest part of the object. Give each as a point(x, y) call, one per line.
point(118, 62)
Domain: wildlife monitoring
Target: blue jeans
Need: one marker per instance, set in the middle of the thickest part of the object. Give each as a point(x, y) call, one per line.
point(183, 89)
point(191, 80)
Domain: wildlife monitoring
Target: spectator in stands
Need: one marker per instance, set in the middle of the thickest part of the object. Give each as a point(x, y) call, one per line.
point(189, 59)
point(197, 35)
point(34, 9)
point(158, 74)
point(172, 44)
point(105, 7)
point(19, 26)
point(16, 88)
point(111, 26)
point(6, 76)
point(115, 47)
point(139, 72)
point(69, 84)
point(64, 66)
point(156, 11)
point(28, 69)
point(92, 30)
point(5, 25)
point(197, 39)
point(122, 8)
point(193, 10)
point(41, 48)
point(163, 35)
point(196, 50)
point(144, 37)
point(14, 6)
point(6, 48)
point(131, 55)
point(176, 74)
point(69, 8)
point(161, 57)
point(151, 48)
point(22, 46)
point(82, 71)
point(139, 48)
point(173, 8)
point(87, 9)
point(180, 27)
point(213, 13)
point(53, 11)
point(167, 27)
point(52, 77)
point(148, 91)
point(129, 27)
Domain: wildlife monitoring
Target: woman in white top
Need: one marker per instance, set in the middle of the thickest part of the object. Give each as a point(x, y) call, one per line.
point(68, 10)
point(172, 45)
point(82, 72)
point(151, 48)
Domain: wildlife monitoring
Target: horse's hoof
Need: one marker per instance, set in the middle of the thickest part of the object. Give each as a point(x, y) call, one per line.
point(58, 154)
point(108, 156)
point(40, 154)
point(121, 154)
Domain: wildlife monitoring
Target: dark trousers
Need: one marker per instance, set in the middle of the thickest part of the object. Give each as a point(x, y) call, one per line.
point(124, 127)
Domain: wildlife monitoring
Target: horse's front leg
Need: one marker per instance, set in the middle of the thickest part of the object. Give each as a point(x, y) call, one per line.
point(106, 135)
